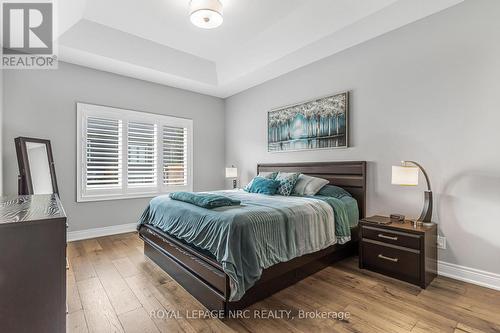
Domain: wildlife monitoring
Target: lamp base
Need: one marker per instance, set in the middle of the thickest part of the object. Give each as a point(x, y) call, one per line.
point(426, 216)
point(427, 224)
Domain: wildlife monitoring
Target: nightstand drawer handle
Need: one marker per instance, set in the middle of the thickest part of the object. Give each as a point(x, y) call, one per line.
point(388, 237)
point(381, 256)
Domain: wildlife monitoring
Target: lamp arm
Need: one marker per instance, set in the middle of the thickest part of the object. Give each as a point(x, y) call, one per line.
point(423, 171)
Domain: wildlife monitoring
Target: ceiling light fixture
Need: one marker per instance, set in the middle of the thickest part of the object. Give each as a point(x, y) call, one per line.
point(206, 14)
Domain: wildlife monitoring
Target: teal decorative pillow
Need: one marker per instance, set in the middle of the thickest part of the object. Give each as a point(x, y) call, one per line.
point(287, 182)
point(267, 175)
point(333, 191)
point(263, 185)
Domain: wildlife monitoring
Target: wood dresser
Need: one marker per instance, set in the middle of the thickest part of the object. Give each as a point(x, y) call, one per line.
point(32, 264)
point(399, 250)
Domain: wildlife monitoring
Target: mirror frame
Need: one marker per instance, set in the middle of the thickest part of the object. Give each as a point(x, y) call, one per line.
point(24, 182)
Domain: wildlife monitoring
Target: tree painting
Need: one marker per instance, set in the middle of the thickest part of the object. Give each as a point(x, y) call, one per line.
point(321, 123)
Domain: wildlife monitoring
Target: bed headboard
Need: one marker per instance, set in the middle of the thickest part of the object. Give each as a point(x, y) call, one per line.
point(351, 176)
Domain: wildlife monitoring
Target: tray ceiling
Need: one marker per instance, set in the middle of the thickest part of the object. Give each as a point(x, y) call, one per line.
point(259, 40)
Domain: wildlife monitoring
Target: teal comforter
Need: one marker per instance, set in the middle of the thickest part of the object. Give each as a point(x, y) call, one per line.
point(261, 232)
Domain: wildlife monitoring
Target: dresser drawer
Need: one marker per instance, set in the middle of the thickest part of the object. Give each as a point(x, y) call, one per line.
point(391, 237)
point(391, 260)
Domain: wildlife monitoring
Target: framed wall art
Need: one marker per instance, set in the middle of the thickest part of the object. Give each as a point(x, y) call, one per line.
point(321, 123)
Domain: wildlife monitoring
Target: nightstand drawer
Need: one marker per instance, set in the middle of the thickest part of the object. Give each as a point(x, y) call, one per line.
point(391, 260)
point(391, 237)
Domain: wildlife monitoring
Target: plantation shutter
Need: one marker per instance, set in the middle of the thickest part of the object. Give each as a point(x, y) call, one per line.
point(175, 163)
point(129, 154)
point(141, 161)
point(103, 163)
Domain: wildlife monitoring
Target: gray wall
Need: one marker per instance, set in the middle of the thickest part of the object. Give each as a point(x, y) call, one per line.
point(1, 129)
point(41, 103)
point(427, 92)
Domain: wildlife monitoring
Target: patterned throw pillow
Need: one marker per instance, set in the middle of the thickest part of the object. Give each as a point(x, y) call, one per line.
point(287, 182)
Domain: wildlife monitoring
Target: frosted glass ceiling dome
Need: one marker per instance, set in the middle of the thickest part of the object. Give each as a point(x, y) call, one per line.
point(206, 14)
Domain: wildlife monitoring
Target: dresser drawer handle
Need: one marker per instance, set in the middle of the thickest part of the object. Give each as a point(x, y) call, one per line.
point(381, 256)
point(388, 237)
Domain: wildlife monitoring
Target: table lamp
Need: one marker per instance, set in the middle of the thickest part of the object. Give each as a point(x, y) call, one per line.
point(407, 175)
point(232, 172)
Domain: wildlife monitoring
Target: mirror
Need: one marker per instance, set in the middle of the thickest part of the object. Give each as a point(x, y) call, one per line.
point(36, 166)
point(39, 168)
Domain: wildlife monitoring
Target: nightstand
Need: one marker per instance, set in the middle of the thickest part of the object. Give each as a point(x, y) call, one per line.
point(399, 250)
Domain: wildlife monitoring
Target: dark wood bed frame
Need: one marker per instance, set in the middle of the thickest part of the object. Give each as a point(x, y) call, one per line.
point(203, 277)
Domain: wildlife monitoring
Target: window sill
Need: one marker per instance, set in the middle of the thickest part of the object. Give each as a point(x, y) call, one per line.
point(94, 198)
point(109, 197)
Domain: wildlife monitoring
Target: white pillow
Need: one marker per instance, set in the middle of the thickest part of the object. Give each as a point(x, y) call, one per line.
point(307, 185)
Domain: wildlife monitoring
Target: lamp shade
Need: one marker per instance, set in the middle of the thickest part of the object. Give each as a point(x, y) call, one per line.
point(405, 175)
point(231, 172)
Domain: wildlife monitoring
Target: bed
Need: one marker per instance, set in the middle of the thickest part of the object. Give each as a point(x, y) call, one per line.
point(203, 274)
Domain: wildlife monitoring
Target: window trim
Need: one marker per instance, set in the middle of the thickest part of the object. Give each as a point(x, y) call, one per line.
point(85, 110)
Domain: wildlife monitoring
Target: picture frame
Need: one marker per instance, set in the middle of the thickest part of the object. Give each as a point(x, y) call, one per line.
point(319, 123)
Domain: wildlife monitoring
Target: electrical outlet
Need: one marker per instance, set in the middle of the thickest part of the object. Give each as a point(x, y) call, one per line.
point(441, 242)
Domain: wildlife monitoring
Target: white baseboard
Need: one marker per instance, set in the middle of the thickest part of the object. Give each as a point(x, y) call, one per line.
point(471, 275)
point(100, 232)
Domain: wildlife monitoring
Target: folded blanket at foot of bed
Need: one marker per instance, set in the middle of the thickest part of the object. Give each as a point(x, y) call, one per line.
point(204, 200)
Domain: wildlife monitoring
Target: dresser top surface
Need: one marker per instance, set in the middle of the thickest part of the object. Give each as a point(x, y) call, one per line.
point(25, 208)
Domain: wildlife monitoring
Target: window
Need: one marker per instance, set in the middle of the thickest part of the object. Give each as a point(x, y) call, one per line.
point(128, 154)
point(142, 156)
point(174, 156)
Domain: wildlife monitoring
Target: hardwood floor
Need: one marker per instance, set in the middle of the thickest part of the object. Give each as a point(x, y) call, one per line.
point(113, 287)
